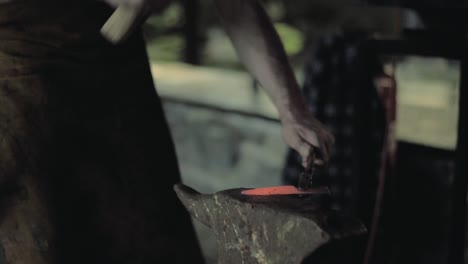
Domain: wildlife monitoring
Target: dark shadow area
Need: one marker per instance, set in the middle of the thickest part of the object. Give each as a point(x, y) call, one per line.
point(338, 252)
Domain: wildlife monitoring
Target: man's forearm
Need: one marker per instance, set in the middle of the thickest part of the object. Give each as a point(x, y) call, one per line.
point(261, 51)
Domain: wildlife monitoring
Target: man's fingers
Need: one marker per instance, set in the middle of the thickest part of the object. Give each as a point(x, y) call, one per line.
point(325, 152)
point(328, 140)
point(303, 139)
point(304, 151)
point(310, 137)
point(319, 162)
point(323, 143)
point(328, 143)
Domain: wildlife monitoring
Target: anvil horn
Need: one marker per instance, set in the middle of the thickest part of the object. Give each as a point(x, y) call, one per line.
point(196, 203)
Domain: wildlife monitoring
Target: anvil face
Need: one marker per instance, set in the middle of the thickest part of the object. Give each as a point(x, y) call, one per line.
point(285, 190)
point(274, 229)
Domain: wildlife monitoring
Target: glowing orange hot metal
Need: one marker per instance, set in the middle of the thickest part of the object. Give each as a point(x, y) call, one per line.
point(283, 190)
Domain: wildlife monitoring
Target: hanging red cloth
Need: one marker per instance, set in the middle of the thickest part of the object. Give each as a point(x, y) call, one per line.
point(387, 91)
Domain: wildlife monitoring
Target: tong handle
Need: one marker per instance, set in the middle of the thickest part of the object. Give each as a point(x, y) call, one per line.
point(305, 178)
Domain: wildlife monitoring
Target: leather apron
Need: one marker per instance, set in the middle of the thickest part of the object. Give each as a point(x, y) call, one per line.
point(87, 163)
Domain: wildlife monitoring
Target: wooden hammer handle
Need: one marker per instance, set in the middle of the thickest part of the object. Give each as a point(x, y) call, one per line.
point(122, 23)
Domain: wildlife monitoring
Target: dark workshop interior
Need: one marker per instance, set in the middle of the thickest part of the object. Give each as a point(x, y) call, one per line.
point(421, 44)
point(388, 78)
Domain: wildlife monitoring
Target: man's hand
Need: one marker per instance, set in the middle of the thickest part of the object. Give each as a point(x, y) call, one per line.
point(302, 131)
point(260, 49)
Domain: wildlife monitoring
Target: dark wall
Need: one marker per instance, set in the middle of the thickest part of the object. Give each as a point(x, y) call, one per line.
point(420, 3)
point(420, 206)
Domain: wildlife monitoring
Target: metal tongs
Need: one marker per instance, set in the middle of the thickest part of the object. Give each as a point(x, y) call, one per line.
point(305, 178)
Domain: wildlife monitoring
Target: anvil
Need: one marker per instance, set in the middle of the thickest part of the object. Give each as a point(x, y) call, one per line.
point(273, 229)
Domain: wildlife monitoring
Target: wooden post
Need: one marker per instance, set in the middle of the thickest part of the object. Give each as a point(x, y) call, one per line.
point(460, 183)
point(192, 31)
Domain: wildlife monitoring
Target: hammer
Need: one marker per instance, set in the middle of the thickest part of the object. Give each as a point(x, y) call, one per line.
point(123, 21)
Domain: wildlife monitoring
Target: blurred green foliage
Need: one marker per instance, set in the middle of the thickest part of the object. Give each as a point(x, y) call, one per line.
point(275, 9)
point(165, 41)
point(170, 19)
point(292, 38)
point(166, 48)
point(162, 33)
